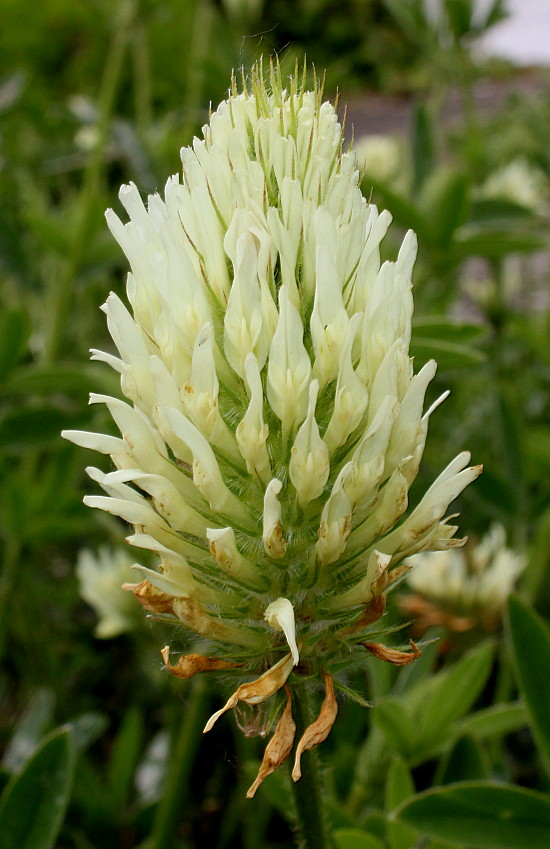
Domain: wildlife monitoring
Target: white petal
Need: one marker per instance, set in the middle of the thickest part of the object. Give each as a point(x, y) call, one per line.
point(289, 366)
point(274, 543)
point(280, 615)
point(310, 461)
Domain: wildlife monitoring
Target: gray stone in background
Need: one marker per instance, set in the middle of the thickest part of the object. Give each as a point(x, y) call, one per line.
point(524, 38)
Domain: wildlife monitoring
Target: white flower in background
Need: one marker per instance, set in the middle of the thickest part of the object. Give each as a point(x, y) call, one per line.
point(101, 575)
point(382, 157)
point(273, 423)
point(465, 587)
point(519, 181)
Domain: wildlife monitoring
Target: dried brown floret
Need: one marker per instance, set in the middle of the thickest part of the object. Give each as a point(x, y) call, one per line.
point(279, 747)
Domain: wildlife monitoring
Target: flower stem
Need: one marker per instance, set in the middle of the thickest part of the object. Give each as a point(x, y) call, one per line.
point(309, 797)
point(181, 763)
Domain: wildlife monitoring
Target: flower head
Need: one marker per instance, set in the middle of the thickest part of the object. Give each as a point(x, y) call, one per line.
point(101, 575)
point(273, 423)
point(518, 181)
point(383, 158)
point(464, 589)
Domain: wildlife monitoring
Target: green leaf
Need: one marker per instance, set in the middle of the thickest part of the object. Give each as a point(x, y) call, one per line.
point(530, 639)
point(410, 17)
point(498, 212)
point(423, 145)
point(494, 490)
point(539, 558)
point(436, 844)
point(438, 702)
point(446, 341)
point(448, 355)
point(392, 719)
point(537, 446)
point(492, 244)
point(481, 815)
point(374, 822)
point(13, 336)
point(399, 784)
point(33, 804)
point(355, 838)
point(31, 428)
point(508, 430)
point(459, 17)
point(91, 794)
point(495, 720)
point(88, 728)
point(29, 730)
point(465, 761)
point(441, 327)
point(399, 787)
point(125, 756)
point(69, 379)
point(499, 11)
point(444, 201)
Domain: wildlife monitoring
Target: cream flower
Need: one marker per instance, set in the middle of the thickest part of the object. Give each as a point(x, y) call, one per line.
point(280, 615)
point(101, 575)
point(273, 422)
point(519, 181)
point(466, 587)
point(382, 158)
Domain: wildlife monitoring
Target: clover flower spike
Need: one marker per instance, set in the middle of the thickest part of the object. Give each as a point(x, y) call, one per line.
point(273, 423)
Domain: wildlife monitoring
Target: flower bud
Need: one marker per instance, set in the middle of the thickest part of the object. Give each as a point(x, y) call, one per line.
point(252, 431)
point(274, 543)
point(289, 367)
point(309, 465)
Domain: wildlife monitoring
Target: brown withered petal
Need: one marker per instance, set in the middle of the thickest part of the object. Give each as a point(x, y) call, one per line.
point(189, 665)
point(279, 747)
point(382, 583)
point(398, 573)
point(318, 730)
point(256, 692)
point(398, 658)
point(371, 613)
point(150, 597)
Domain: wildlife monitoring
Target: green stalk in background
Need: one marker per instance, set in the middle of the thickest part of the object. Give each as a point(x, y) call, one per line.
point(59, 295)
point(183, 754)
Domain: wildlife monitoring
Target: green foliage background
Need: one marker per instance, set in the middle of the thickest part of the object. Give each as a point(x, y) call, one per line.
point(96, 94)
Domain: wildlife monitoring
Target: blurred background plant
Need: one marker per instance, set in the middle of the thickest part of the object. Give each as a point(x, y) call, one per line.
point(464, 588)
point(94, 95)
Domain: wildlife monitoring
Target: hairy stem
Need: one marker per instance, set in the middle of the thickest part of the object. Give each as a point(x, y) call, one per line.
point(309, 792)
